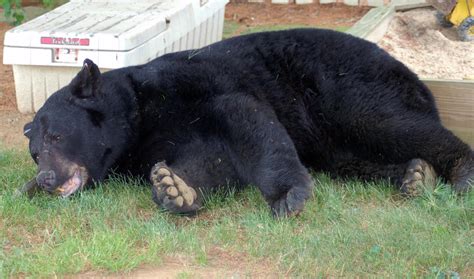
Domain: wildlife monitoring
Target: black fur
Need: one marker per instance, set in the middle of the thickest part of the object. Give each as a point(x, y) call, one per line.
point(257, 109)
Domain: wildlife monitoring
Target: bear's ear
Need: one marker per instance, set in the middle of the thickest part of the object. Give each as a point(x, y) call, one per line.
point(86, 82)
point(27, 129)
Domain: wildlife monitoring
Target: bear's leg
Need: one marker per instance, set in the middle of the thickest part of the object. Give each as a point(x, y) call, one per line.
point(264, 154)
point(196, 169)
point(410, 135)
point(452, 159)
point(462, 173)
point(171, 192)
point(409, 177)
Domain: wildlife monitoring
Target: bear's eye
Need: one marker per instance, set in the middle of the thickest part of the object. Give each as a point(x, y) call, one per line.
point(35, 157)
point(52, 138)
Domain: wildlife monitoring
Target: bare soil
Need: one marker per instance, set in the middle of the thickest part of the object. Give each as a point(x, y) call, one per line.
point(11, 121)
point(7, 86)
point(416, 38)
point(11, 129)
point(330, 15)
point(221, 264)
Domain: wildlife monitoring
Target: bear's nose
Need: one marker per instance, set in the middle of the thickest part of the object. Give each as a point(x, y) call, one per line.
point(46, 179)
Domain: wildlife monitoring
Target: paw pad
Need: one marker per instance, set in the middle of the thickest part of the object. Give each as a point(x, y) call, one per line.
point(418, 175)
point(171, 191)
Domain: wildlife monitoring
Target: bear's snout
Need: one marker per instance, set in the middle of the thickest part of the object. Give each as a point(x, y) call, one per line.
point(46, 180)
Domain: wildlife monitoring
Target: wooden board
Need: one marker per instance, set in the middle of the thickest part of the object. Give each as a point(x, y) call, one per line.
point(407, 7)
point(455, 101)
point(374, 24)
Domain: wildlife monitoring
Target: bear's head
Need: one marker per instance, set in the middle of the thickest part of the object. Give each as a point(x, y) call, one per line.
point(81, 131)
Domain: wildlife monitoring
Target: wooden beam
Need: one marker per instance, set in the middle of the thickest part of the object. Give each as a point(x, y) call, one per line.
point(374, 24)
point(407, 7)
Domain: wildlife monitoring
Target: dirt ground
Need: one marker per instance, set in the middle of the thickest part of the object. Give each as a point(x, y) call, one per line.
point(221, 264)
point(11, 121)
point(7, 87)
point(331, 15)
point(416, 38)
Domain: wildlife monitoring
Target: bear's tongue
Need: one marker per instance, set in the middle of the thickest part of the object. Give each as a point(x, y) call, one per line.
point(71, 185)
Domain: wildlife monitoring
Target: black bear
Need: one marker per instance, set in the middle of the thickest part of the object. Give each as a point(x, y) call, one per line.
point(258, 109)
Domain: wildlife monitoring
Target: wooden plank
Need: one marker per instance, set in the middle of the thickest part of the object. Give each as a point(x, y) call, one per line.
point(374, 24)
point(455, 101)
point(407, 7)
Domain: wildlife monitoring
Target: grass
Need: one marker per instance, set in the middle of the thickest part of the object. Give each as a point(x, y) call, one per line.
point(232, 28)
point(347, 229)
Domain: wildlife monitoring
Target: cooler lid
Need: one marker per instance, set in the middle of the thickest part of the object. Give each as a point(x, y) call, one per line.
point(111, 25)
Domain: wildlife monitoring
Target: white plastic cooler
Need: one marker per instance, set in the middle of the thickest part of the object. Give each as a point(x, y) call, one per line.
point(48, 51)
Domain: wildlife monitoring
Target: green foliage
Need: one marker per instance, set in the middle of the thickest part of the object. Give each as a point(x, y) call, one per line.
point(48, 3)
point(15, 14)
point(13, 11)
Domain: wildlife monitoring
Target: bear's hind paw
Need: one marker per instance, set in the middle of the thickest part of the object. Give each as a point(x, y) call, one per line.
point(418, 175)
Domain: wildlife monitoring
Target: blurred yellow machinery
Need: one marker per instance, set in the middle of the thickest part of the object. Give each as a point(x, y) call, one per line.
point(459, 13)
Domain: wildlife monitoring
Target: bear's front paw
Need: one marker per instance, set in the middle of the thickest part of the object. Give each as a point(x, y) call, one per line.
point(171, 192)
point(419, 174)
point(290, 204)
